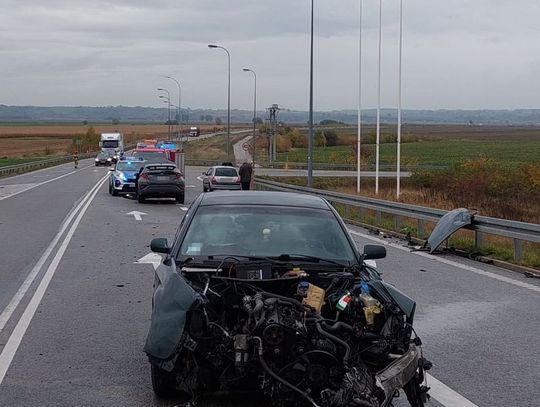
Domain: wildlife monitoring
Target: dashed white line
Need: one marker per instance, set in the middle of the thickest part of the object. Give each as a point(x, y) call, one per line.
point(41, 183)
point(445, 395)
point(451, 263)
point(15, 339)
point(14, 303)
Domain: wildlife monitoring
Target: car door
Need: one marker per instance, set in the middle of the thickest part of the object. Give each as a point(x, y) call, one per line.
point(206, 178)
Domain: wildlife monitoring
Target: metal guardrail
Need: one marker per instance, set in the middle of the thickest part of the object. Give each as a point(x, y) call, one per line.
point(10, 170)
point(481, 225)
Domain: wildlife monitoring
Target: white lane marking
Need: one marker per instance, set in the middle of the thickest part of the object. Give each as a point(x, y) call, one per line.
point(11, 189)
point(452, 263)
point(137, 214)
point(21, 292)
point(445, 395)
point(151, 258)
point(191, 186)
point(200, 178)
point(14, 341)
point(42, 183)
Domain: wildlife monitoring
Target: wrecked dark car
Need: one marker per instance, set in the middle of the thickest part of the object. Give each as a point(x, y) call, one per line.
point(266, 292)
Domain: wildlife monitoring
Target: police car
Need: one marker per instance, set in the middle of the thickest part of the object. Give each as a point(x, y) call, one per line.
point(123, 179)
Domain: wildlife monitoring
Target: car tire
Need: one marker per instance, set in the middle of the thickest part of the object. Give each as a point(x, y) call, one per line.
point(180, 198)
point(204, 189)
point(163, 383)
point(114, 192)
point(110, 188)
point(140, 199)
point(97, 165)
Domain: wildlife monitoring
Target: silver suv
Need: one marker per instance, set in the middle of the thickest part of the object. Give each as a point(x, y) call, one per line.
point(221, 177)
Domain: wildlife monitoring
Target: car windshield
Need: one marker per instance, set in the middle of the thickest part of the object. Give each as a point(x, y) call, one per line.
point(150, 155)
point(110, 143)
point(266, 231)
point(129, 165)
point(226, 172)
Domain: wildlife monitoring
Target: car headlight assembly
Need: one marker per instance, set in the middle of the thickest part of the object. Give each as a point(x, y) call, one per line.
point(122, 176)
point(97, 159)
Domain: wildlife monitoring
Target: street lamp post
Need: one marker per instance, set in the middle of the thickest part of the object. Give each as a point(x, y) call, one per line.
point(179, 103)
point(254, 109)
point(359, 135)
point(169, 101)
point(398, 169)
point(377, 146)
point(228, 94)
point(310, 133)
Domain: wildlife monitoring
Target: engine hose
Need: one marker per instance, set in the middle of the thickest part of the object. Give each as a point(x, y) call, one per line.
point(298, 304)
point(338, 340)
point(285, 382)
point(259, 304)
point(338, 326)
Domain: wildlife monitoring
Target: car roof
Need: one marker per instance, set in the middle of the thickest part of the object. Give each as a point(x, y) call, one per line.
point(160, 163)
point(223, 166)
point(136, 159)
point(263, 198)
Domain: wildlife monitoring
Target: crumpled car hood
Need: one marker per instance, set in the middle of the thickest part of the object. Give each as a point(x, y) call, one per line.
point(172, 300)
point(447, 225)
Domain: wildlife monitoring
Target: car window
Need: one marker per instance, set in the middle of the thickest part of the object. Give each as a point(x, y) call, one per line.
point(266, 231)
point(226, 172)
point(129, 165)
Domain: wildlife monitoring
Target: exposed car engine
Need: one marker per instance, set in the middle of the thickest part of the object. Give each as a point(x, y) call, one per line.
point(326, 339)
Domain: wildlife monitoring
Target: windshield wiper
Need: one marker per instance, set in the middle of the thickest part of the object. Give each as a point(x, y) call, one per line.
point(314, 259)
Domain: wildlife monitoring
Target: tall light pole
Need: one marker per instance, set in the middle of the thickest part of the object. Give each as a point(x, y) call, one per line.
point(179, 103)
point(228, 94)
point(378, 103)
point(398, 172)
point(254, 109)
point(359, 136)
point(310, 132)
point(169, 99)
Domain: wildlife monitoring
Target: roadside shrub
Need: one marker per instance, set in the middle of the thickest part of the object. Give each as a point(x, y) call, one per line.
point(283, 144)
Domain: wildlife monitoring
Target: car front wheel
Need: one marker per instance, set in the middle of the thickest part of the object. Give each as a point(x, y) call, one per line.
point(163, 383)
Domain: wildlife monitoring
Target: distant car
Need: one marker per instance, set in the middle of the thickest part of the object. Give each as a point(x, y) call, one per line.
point(161, 180)
point(124, 176)
point(221, 177)
point(103, 159)
point(194, 131)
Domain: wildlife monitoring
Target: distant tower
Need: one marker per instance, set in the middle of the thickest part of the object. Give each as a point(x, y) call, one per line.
point(272, 113)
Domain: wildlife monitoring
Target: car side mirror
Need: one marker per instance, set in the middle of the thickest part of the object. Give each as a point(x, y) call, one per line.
point(373, 251)
point(160, 245)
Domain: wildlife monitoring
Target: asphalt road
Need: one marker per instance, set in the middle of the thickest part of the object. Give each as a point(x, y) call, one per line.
point(75, 333)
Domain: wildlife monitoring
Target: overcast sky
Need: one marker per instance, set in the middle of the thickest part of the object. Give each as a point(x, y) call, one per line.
point(457, 53)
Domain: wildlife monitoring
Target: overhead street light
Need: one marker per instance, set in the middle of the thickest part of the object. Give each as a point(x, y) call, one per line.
point(169, 102)
point(398, 172)
point(377, 147)
point(228, 94)
point(254, 109)
point(310, 133)
point(359, 135)
point(179, 103)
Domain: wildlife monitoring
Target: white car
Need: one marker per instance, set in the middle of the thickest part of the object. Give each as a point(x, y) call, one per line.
point(221, 177)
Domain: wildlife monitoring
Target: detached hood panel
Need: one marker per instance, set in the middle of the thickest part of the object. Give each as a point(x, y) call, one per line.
point(172, 300)
point(447, 225)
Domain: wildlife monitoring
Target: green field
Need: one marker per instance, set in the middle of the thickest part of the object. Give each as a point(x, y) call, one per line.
point(13, 161)
point(441, 152)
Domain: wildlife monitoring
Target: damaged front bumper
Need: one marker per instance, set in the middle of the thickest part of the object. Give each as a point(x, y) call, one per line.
point(398, 373)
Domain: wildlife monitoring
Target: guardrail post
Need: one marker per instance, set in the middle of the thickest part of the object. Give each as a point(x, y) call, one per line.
point(346, 211)
point(397, 222)
point(518, 250)
point(478, 239)
point(420, 227)
point(378, 217)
